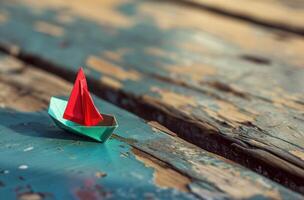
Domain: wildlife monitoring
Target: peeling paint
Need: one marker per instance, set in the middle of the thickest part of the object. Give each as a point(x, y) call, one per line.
point(110, 69)
point(100, 174)
point(49, 29)
point(298, 154)
point(196, 72)
point(174, 99)
point(3, 17)
point(280, 100)
point(116, 56)
point(8, 65)
point(164, 176)
point(228, 111)
point(31, 196)
point(231, 182)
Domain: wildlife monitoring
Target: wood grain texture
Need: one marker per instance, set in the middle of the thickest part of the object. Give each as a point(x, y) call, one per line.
point(281, 14)
point(231, 87)
point(40, 161)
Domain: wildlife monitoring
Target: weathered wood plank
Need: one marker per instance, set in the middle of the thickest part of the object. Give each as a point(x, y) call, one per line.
point(223, 84)
point(40, 161)
point(281, 14)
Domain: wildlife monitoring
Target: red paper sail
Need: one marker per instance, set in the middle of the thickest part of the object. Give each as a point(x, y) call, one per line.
point(81, 108)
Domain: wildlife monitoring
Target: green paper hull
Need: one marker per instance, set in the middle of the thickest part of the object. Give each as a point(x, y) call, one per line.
point(100, 133)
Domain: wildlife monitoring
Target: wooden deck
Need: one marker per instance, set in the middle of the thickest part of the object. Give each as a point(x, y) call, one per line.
point(142, 160)
point(225, 79)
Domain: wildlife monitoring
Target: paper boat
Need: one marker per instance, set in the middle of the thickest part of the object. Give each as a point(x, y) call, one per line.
point(79, 115)
point(100, 132)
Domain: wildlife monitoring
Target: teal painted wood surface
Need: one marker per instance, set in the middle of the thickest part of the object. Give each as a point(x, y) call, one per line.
point(231, 87)
point(39, 160)
point(37, 157)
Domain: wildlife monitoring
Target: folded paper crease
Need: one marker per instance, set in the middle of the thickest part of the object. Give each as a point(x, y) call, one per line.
point(80, 107)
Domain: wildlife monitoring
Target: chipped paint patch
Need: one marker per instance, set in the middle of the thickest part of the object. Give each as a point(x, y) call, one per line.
point(164, 176)
point(228, 111)
point(113, 70)
point(230, 181)
point(110, 55)
point(31, 196)
point(280, 101)
point(196, 72)
point(111, 82)
point(49, 29)
point(298, 154)
point(282, 98)
point(3, 17)
point(116, 56)
point(100, 174)
point(231, 112)
point(174, 99)
point(7, 64)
